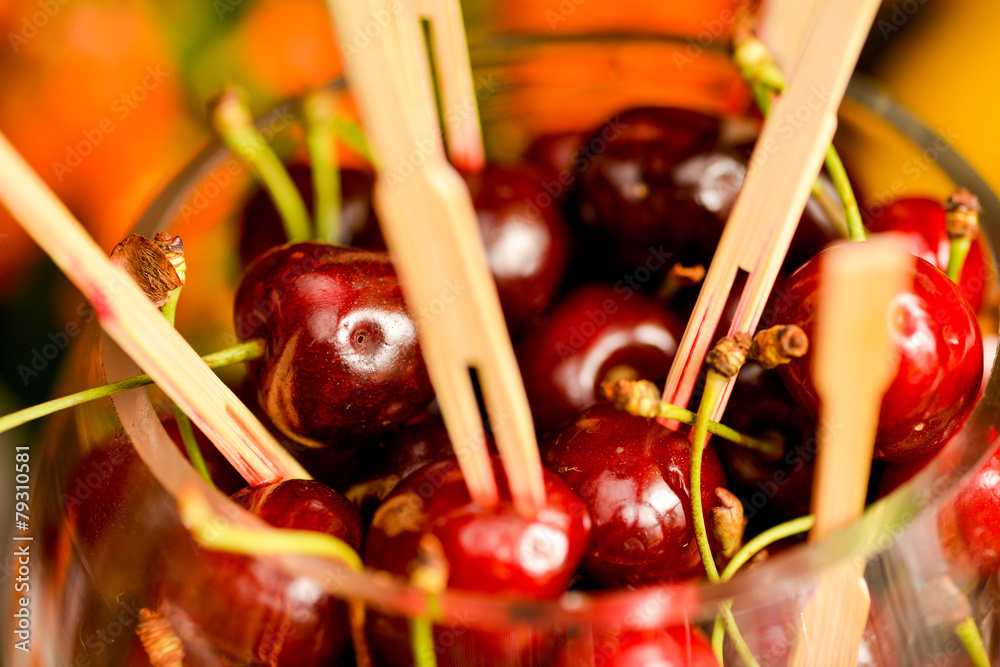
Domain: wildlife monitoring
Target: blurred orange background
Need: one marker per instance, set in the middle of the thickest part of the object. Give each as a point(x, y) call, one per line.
point(106, 98)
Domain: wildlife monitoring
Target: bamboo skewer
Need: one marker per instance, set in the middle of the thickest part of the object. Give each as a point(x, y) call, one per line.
point(784, 26)
point(430, 226)
point(783, 166)
point(852, 367)
point(138, 327)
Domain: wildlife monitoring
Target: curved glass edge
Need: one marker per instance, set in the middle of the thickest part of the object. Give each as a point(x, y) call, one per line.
point(890, 517)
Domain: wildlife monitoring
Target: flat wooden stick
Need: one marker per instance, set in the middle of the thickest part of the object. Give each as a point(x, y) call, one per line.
point(140, 329)
point(783, 26)
point(431, 229)
point(783, 166)
point(853, 365)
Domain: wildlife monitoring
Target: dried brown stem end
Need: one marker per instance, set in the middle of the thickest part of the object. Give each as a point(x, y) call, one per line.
point(779, 345)
point(163, 647)
point(679, 277)
point(729, 354)
point(150, 266)
point(728, 522)
point(429, 571)
point(962, 214)
point(636, 397)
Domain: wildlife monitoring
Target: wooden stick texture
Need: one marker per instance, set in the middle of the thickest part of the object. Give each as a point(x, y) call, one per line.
point(853, 365)
point(140, 329)
point(431, 229)
point(783, 26)
point(784, 163)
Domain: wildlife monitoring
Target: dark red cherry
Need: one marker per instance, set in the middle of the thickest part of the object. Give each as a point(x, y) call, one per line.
point(706, 186)
point(282, 619)
point(223, 474)
point(770, 488)
point(526, 238)
point(559, 154)
point(974, 518)
point(940, 349)
point(391, 461)
point(676, 646)
point(596, 333)
point(493, 551)
point(260, 226)
point(625, 190)
point(633, 474)
point(342, 362)
point(923, 221)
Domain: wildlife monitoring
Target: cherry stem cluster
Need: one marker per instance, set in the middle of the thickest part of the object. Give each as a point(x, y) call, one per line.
point(251, 349)
point(766, 80)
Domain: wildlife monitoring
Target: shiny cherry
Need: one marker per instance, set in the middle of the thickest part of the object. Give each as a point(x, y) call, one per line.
point(973, 517)
point(342, 362)
point(526, 238)
point(283, 619)
point(625, 191)
point(706, 186)
point(493, 551)
point(633, 474)
point(598, 332)
point(260, 226)
point(940, 348)
point(676, 646)
point(923, 221)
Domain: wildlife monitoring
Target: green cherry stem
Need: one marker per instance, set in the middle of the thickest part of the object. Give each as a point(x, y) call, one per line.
point(217, 534)
point(169, 310)
point(319, 109)
point(957, 253)
point(723, 361)
point(252, 349)
point(842, 184)
point(749, 550)
point(968, 633)
point(422, 642)
point(642, 398)
point(232, 120)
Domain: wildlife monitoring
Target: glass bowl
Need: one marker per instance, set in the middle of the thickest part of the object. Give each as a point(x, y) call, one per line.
point(102, 518)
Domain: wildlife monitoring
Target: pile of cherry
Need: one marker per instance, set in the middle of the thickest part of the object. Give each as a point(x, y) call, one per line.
point(591, 240)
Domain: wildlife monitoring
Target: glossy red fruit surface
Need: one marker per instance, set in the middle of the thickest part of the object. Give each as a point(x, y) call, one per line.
point(976, 512)
point(940, 349)
point(282, 620)
point(923, 221)
point(526, 238)
point(625, 192)
point(260, 226)
point(633, 474)
point(676, 646)
point(493, 551)
point(595, 331)
point(342, 363)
